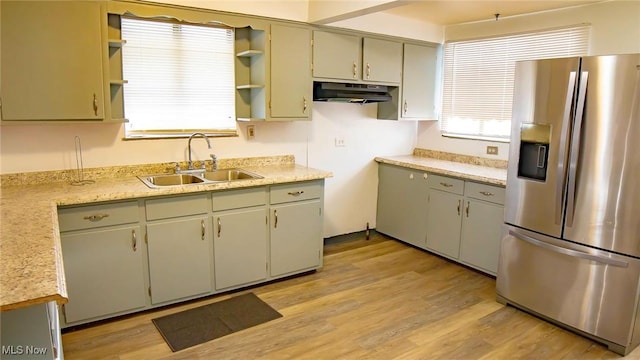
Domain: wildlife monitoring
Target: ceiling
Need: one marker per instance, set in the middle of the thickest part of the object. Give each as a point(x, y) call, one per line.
point(448, 12)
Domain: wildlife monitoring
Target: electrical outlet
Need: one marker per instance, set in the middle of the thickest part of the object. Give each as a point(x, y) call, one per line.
point(339, 141)
point(492, 150)
point(251, 131)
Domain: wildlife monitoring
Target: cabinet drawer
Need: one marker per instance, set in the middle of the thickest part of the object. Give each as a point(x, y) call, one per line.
point(176, 206)
point(484, 192)
point(241, 198)
point(295, 192)
point(447, 184)
point(93, 216)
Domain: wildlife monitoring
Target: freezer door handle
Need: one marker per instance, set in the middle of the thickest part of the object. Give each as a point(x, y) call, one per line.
point(569, 252)
point(564, 136)
point(575, 147)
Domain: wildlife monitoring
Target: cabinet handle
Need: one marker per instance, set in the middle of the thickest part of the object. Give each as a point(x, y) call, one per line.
point(134, 240)
point(275, 222)
point(95, 104)
point(368, 70)
point(447, 185)
point(304, 106)
point(296, 193)
point(203, 228)
point(355, 70)
point(405, 107)
point(486, 193)
point(219, 227)
point(95, 218)
point(459, 207)
point(467, 209)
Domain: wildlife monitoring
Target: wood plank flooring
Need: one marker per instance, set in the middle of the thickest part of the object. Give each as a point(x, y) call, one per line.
point(373, 299)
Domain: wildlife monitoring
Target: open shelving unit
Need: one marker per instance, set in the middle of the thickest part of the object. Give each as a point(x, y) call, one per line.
point(116, 81)
point(250, 74)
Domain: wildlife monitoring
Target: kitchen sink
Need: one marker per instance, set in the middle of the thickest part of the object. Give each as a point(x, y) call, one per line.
point(170, 180)
point(230, 175)
point(205, 177)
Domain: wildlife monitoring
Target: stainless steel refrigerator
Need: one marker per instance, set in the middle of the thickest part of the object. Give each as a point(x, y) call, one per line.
point(572, 213)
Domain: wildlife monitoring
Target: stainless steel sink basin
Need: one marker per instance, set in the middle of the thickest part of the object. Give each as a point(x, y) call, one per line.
point(207, 177)
point(230, 175)
point(170, 180)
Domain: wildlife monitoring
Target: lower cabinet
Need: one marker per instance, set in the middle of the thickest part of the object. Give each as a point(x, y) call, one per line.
point(32, 332)
point(104, 272)
point(482, 227)
point(295, 227)
point(239, 237)
point(179, 247)
point(443, 224)
point(103, 258)
point(127, 256)
point(462, 220)
point(402, 204)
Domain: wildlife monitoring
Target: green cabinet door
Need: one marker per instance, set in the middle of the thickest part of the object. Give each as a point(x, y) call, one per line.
point(239, 247)
point(291, 83)
point(296, 237)
point(443, 229)
point(419, 82)
point(104, 271)
point(179, 258)
point(402, 204)
point(52, 60)
point(336, 56)
point(381, 60)
point(481, 235)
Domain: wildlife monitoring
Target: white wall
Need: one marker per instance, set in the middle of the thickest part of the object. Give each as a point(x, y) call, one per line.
point(615, 29)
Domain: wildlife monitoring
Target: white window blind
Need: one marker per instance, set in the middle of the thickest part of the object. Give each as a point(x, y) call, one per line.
point(180, 78)
point(479, 76)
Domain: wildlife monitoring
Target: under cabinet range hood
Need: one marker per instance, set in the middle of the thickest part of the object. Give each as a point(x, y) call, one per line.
point(351, 93)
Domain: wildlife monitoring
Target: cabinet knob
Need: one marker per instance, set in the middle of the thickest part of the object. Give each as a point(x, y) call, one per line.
point(296, 193)
point(304, 106)
point(368, 70)
point(467, 209)
point(134, 240)
point(203, 227)
point(275, 222)
point(447, 185)
point(355, 70)
point(219, 227)
point(405, 107)
point(411, 176)
point(459, 207)
point(486, 193)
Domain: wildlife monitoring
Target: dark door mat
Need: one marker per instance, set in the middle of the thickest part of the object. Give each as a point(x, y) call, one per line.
point(195, 326)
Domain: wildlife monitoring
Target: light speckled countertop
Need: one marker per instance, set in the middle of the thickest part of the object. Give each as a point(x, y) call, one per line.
point(31, 269)
point(465, 167)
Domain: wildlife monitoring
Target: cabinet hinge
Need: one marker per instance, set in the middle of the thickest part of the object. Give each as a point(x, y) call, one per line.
point(149, 291)
point(146, 238)
point(269, 36)
point(320, 211)
point(269, 103)
point(266, 219)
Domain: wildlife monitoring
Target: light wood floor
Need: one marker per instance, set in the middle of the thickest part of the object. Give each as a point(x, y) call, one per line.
point(375, 299)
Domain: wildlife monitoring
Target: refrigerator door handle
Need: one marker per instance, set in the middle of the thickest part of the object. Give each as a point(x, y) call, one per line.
point(575, 147)
point(569, 252)
point(562, 157)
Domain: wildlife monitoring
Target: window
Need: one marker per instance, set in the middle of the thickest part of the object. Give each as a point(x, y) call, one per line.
point(180, 78)
point(479, 75)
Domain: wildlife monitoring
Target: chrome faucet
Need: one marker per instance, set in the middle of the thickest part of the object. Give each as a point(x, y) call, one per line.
point(190, 138)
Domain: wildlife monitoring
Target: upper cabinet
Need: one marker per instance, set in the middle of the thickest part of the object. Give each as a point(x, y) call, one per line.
point(338, 56)
point(381, 60)
point(52, 60)
point(291, 82)
point(419, 82)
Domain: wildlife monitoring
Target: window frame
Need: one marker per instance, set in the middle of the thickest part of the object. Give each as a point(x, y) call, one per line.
point(178, 132)
point(521, 43)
